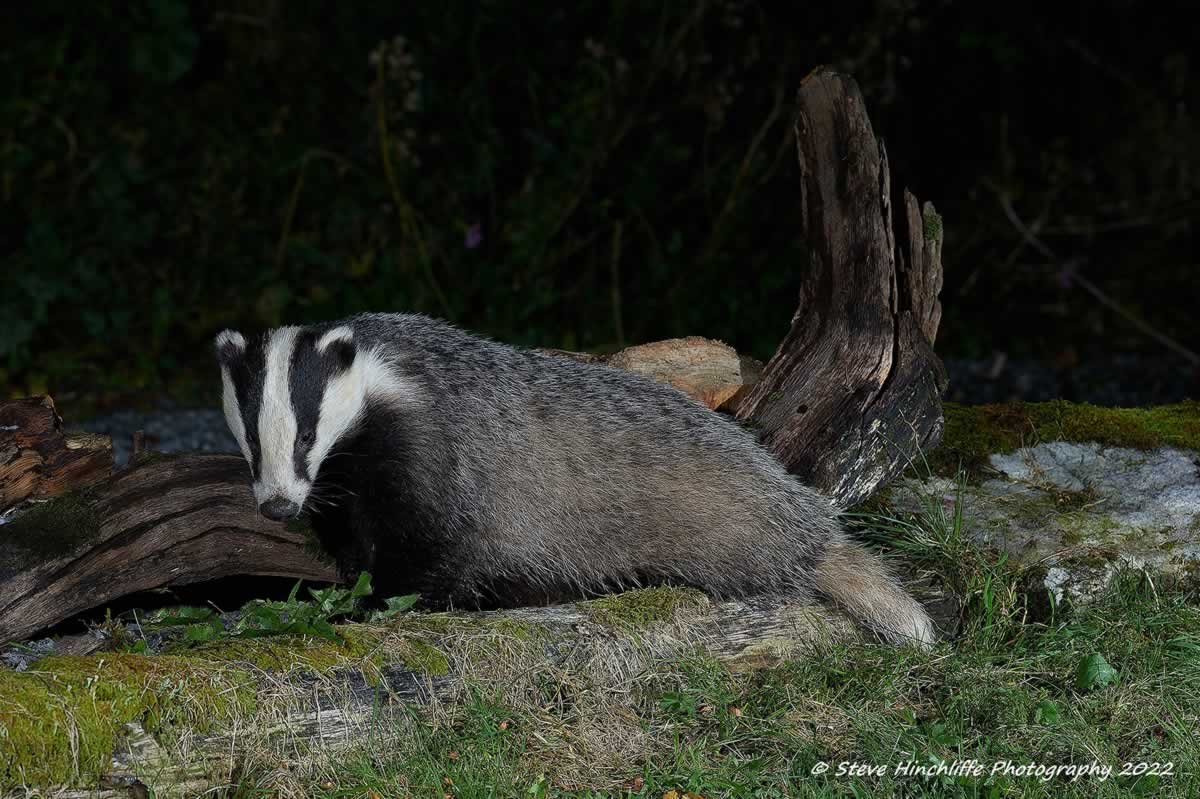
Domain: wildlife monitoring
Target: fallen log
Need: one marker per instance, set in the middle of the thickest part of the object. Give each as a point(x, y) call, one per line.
point(710, 372)
point(166, 521)
point(283, 709)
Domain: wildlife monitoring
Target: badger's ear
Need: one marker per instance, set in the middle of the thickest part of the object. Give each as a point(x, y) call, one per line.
point(230, 346)
point(338, 346)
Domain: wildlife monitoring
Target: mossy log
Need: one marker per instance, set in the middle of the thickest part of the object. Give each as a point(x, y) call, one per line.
point(122, 724)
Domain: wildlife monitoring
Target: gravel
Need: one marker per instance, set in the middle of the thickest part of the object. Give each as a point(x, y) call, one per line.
point(167, 430)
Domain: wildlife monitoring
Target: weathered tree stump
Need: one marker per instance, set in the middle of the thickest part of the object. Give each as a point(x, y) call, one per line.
point(853, 393)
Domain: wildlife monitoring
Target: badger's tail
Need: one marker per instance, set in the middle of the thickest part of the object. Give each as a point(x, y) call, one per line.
point(860, 583)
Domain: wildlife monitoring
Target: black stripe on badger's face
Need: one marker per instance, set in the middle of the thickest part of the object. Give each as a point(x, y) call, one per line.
point(288, 399)
point(318, 361)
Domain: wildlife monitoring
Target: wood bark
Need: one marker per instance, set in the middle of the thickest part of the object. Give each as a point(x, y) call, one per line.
point(37, 460)
point(853, 394)
point(165, 521)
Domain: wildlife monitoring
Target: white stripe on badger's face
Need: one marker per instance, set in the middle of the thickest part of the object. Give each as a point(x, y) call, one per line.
point(342, 402)
point(229, 400)
point(277, 425)
point(343, 334)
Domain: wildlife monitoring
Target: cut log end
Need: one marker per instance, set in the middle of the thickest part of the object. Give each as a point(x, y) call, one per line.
point(38, 461)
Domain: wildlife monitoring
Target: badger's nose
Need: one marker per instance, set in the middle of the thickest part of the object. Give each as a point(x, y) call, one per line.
point(279, 509)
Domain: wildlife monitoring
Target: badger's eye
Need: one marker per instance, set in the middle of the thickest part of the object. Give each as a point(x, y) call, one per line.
point(307, 438)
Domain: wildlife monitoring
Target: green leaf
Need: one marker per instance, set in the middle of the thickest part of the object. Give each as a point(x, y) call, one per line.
point(333, 601)
point(1094, 672)
point(324, 629)
point(261, 617)
point(204, 632)
point(395, 606)
point(1046, 713)
point(362, 587)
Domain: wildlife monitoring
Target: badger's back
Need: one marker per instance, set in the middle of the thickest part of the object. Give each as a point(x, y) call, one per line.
point(523, 475)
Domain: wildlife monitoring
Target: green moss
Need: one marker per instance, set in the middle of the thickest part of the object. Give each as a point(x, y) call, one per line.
point(932, 225)
point(1078, 527)
point(974, 432)
point(514, 628)
point(1030, 510)
point(363, 647)
point(432, 624)
point(418, 655)
point(878, 503)
point(56, 527)
point(286, 653)
point(638, 609)
point(302, 525)
point(1095, 558)
point(59, 721)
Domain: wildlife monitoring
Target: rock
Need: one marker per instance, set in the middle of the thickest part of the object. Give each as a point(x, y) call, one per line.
point(1082, 509)
point(20, 657)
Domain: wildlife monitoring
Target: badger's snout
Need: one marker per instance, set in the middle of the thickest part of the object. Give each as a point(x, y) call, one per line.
point(279, 508)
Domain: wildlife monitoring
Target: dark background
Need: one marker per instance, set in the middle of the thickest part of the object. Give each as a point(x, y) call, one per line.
point(587, 178)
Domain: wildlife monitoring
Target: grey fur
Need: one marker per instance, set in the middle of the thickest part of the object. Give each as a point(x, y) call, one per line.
point(539, 477)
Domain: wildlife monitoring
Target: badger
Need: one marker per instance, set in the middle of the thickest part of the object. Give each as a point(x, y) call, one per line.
point(482, 475)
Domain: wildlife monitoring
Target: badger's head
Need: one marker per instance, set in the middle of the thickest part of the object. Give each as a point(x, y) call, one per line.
point(289, 397)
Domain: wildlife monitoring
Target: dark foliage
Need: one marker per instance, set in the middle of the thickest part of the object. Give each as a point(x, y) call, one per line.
point(579, 175)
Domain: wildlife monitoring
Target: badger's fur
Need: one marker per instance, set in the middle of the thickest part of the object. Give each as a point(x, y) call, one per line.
point(483, 475)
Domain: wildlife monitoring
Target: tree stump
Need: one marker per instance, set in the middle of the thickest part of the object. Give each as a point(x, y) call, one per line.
point(853, 394)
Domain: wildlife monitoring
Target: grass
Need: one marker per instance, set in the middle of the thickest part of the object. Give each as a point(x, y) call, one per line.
point(1025, 683)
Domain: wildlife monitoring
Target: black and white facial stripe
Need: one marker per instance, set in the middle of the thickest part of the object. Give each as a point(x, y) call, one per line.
point(316, 364)
point(288, 398)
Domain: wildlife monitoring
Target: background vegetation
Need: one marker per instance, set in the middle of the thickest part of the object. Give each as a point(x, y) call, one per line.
point(582, 176)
